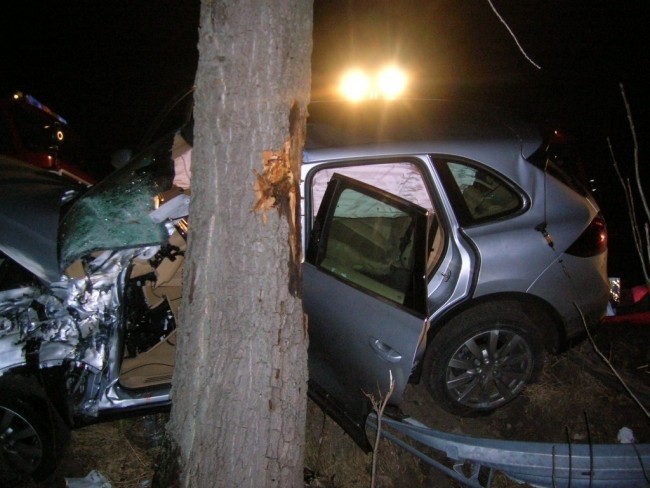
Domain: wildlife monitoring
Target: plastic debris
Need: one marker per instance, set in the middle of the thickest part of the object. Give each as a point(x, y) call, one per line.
point(94, 479)
point(625, 436)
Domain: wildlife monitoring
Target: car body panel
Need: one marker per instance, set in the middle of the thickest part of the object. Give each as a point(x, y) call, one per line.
point(10, 355)
point(577, 287)
point(549, 273)
point(354, 304)
point(346, 359)
point(31, 200)
point(497, 245)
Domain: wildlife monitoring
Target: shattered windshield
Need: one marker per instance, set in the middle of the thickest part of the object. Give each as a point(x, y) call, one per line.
point(115, 213)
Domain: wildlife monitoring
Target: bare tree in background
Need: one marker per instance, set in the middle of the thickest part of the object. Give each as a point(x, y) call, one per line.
point(239, 390)
point(640, 233)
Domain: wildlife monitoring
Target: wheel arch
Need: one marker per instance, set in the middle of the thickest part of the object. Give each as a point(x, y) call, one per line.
point(26, 396)
point(45, 388)
point(541, 313)
point(493, 369)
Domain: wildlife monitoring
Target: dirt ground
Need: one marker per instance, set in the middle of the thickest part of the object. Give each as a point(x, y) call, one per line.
point(576, 399)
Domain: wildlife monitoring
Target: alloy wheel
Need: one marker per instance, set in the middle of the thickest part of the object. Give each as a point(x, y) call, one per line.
point(489, 369)
point(20, 444)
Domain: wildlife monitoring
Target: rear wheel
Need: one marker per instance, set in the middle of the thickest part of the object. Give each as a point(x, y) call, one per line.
point(32, 437)
point(483, 358)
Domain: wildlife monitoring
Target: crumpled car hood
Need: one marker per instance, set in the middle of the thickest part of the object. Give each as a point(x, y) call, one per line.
point(30, 205)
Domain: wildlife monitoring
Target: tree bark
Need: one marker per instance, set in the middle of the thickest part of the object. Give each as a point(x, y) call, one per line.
point(240, 384)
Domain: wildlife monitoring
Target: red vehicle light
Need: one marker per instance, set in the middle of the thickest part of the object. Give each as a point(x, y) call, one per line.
point(592, 241)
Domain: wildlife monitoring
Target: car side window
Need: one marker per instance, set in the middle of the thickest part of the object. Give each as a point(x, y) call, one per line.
point(375, 243)
point(399, 177)
point(484, 195)
point(366, 249)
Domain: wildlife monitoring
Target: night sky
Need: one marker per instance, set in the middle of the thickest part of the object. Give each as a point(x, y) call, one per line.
point(108, 66)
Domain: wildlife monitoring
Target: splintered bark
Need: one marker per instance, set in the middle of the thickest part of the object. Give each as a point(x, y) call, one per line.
point(239, 390)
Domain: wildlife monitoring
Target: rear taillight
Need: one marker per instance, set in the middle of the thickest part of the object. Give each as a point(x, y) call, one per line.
point(592, 241)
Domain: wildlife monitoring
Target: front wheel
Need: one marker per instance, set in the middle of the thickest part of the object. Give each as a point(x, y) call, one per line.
point(32, 438)
point(482, 359)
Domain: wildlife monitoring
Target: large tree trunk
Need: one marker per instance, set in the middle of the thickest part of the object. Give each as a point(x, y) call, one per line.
point(239, 392)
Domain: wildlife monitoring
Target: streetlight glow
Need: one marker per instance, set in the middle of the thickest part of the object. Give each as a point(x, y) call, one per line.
point(389, 83)
point(355, 85)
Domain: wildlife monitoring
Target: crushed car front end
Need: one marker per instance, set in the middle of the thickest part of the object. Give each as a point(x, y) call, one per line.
point(89, 284)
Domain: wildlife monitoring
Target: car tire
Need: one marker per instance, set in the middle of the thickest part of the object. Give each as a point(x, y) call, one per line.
point(33, 437)
point(482, 359)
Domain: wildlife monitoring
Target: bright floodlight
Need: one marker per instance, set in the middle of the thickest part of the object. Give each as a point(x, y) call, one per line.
point(355, 85)
point(391, 82)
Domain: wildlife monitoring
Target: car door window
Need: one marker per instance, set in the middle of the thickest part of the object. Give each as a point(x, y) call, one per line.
point(403, 178)
point(375, 244)
point(484, 195)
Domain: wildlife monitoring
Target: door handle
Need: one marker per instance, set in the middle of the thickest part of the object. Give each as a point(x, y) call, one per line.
point(385, 351)
point(446, 275)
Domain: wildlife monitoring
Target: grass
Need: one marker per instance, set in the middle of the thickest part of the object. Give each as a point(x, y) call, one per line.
point(568, 403)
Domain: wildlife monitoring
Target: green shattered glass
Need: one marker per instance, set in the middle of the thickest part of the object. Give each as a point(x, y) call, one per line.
point(115, 213)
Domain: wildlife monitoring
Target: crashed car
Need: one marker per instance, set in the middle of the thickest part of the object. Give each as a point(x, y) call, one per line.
point(87, 302)
point(442, 246)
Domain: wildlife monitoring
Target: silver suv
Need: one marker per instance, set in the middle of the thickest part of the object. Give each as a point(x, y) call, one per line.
point(442, 245)
point(445, 245)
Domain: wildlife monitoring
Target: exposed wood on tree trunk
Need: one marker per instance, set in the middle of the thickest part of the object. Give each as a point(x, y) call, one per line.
point(239, 393)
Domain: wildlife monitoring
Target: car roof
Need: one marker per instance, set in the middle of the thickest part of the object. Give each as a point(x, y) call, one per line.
point(414, 126)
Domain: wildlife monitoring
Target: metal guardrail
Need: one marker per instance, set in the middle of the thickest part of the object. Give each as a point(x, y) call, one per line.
point(474, 461)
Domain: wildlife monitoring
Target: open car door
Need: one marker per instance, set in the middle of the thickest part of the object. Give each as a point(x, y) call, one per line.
point(365, 296)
